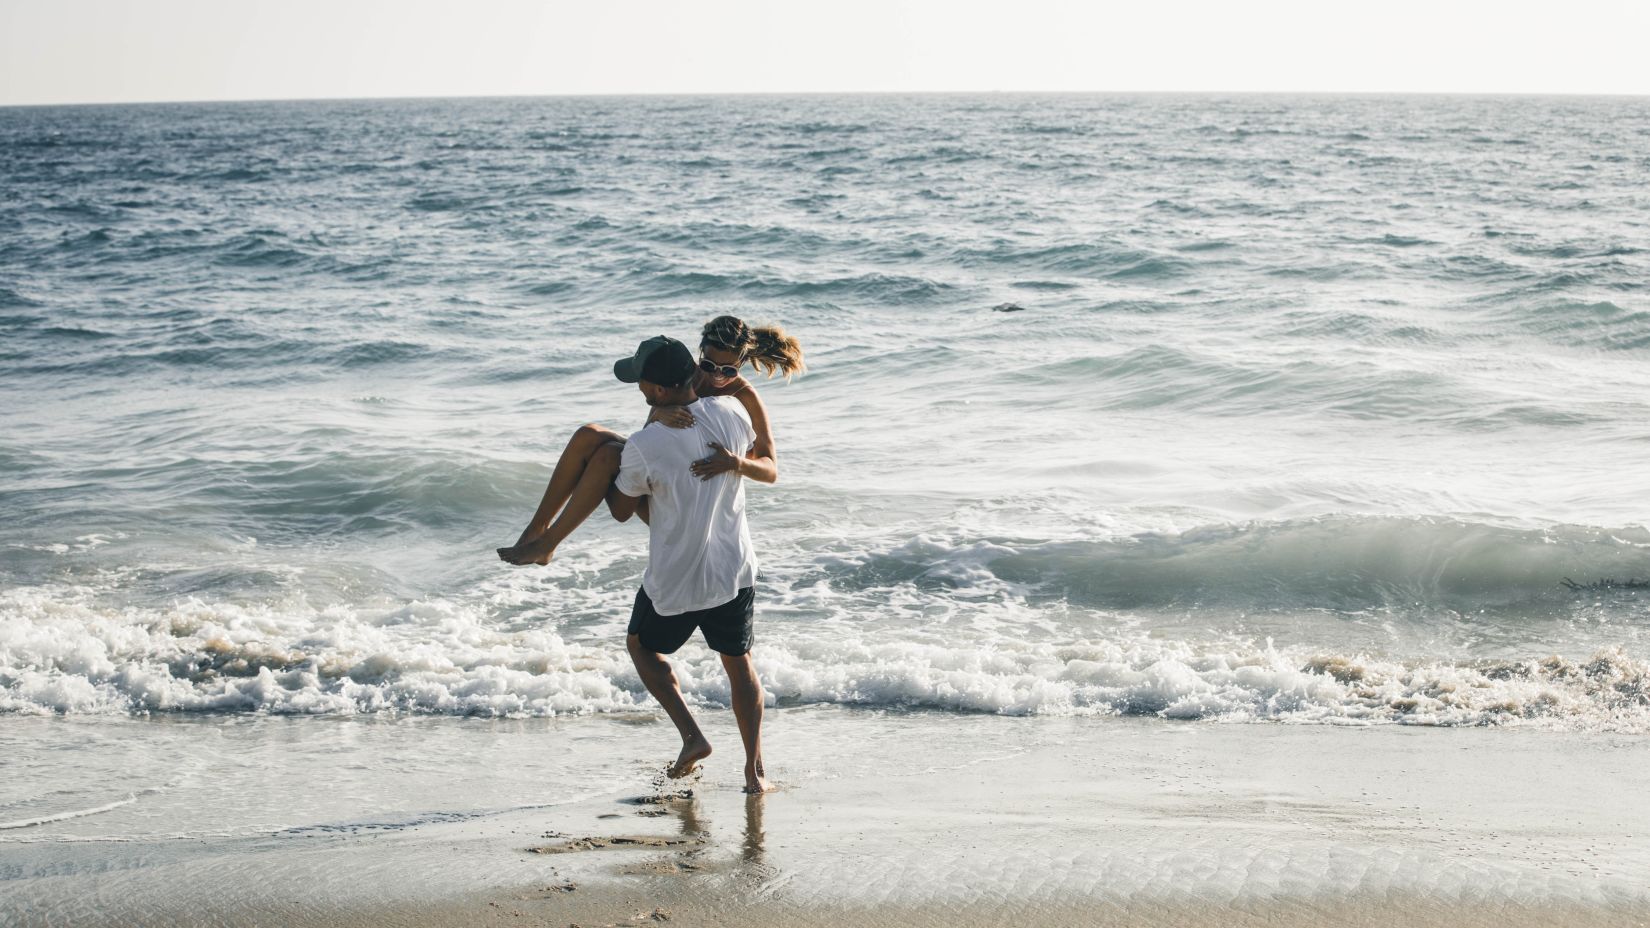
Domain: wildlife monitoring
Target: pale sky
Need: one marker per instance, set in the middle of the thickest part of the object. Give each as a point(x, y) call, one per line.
point(93, 51)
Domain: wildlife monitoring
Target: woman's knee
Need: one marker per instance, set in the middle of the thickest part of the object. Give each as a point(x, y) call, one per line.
point(608, 457)
point(590, 436)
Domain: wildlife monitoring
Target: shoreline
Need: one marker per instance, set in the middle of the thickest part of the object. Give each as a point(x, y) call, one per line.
point(880, 818)
point(618, 909)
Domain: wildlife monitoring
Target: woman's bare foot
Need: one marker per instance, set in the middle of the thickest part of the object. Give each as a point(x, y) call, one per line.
point(533, 552)
point(694, 750)
point(755, 779)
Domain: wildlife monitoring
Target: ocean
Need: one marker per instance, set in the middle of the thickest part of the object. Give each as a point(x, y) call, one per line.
point(1219, 409)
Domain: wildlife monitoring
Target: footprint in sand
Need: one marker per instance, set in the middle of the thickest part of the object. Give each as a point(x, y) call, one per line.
point(612, 841)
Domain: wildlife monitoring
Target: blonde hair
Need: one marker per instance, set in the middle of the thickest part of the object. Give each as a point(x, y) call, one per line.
point(768, 348)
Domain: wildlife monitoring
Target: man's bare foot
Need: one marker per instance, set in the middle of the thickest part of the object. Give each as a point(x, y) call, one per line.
point(534, 552)
point(694, 750)
point(756, 780)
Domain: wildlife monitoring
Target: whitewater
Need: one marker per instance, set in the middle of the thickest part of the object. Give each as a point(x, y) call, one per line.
point(1211, 408)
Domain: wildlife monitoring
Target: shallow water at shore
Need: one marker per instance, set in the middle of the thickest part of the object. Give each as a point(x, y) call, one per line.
point(427, 821)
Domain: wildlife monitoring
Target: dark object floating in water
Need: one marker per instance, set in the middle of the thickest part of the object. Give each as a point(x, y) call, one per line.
point(1606, 584)
point(1008, 308)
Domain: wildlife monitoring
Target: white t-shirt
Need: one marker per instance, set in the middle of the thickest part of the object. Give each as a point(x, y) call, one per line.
point(699, 550)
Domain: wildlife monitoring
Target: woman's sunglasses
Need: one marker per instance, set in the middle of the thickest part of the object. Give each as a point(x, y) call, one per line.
point(718, 370)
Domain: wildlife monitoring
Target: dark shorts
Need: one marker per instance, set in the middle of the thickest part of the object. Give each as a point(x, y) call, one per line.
point(728, 628)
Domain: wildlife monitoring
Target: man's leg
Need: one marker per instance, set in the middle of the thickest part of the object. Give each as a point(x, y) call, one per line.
point(747, 709)
point(660, 680)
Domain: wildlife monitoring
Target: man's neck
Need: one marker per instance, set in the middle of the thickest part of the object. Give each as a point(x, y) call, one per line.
point(682, 397)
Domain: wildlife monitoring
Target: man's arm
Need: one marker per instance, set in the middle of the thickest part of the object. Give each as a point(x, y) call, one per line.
point(630, 485)
point(620, 505)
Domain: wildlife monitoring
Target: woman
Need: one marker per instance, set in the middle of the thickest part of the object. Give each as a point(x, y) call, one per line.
point(592, 455)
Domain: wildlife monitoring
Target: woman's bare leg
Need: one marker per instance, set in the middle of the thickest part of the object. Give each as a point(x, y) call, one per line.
point(589, 493)
point(569, 468)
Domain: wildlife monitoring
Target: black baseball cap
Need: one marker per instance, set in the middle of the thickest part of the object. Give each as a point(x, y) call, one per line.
point(661, 359)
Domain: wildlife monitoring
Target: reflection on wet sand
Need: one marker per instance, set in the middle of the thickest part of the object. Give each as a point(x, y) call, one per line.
point(752, 853)
point(695, 832)
point(695, 848)
point(698, 851)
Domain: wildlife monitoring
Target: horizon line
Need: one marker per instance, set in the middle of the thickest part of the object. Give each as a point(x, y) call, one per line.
point(842, 93)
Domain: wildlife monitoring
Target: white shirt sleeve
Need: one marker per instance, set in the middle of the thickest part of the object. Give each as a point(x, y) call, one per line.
point(632, 479)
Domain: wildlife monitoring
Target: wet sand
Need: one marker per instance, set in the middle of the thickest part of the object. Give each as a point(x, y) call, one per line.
point(880, 818)
point(1358, 912)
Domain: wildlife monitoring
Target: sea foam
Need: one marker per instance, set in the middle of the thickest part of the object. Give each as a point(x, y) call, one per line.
point(61, 653)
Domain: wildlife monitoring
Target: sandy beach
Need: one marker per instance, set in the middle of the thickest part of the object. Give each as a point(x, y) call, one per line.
point(881, 818)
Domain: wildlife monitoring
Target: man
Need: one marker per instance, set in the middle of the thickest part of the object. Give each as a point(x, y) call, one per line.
point(701, 568)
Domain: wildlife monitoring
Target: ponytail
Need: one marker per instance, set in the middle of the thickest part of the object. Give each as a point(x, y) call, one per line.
point(768, 349)
point(774, 352)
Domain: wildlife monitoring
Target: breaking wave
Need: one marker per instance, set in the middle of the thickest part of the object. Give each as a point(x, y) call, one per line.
point(61, 652)
point(1337, 563)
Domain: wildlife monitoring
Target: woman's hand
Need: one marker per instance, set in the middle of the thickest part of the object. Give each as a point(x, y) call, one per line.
point(676, 417)
point(720, 462)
